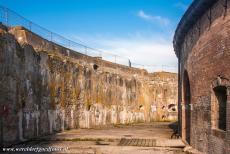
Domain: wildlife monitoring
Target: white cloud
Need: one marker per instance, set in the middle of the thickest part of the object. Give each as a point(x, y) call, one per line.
point(151, 52)
point(154, 19)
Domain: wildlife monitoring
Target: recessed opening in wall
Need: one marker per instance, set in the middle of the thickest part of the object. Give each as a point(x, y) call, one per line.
point(95, 67)
point(220, 103)
point(140, 107)
point(172, 107)
point(88, 107)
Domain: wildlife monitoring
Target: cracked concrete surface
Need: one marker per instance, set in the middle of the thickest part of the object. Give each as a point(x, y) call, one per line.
point(108, 140)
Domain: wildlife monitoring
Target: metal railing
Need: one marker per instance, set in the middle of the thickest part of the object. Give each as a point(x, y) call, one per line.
point(11, 19)
point(156, 68)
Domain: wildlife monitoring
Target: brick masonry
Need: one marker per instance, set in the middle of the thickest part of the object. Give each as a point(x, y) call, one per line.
point(204, 63)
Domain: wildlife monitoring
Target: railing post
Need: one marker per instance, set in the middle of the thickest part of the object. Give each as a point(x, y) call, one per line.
point(68, 46)
point(30, 26)
point(6, 16)
point(130, 65)
point(100, 54)
point(85, 50)
point(51, 36)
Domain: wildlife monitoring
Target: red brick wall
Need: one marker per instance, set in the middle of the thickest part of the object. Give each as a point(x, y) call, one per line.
point(205, 54)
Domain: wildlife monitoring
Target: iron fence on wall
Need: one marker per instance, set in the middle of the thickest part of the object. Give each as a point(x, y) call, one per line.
point(11, 19)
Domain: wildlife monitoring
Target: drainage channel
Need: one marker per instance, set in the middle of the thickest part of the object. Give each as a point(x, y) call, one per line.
point(138, 142)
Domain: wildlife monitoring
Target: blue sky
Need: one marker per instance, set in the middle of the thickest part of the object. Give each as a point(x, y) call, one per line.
point(141, 30)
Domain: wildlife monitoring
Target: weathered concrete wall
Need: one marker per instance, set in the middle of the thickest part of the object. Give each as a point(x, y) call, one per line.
point(204, 62)
point(46, 88)
point(163, 88)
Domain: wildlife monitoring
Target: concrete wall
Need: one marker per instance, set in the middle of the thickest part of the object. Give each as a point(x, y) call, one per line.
point(46, 88)
point(163, 88)
point(204, 64)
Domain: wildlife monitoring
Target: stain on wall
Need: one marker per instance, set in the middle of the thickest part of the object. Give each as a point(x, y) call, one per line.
point(46, 88)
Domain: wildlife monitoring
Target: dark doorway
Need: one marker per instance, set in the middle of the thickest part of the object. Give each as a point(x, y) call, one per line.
point(187, 106)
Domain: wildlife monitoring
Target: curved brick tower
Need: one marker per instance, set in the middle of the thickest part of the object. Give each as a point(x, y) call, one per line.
point(202, 45)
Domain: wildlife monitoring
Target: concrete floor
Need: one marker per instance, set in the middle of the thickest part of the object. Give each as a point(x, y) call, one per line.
point(153, 138)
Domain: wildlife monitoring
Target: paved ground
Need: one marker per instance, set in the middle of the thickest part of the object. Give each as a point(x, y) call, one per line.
point(154, 138)
point(152, 130)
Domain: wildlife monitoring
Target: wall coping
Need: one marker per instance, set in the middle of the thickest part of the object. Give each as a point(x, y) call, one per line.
point(193, 13)
point(49, 46)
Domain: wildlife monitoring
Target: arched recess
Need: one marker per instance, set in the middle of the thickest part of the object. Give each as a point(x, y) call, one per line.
point(219, 98)
point(187, 107)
